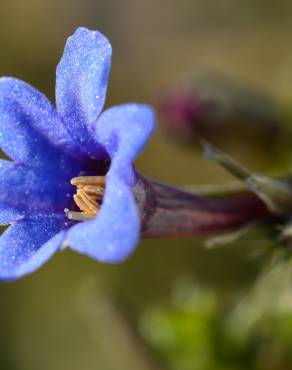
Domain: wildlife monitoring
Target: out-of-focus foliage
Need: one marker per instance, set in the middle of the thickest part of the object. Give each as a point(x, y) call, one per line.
point(196, 331)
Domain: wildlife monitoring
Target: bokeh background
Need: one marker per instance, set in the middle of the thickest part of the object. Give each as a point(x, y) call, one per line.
point(174, 304)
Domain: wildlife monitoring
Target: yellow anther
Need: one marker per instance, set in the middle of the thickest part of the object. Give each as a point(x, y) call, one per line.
point(88, 180)
point(91, 204)
point(79, 216)
point(90, 191)
point(94, 190)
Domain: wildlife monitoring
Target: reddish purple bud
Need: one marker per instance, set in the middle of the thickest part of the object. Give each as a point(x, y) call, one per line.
point(181, 112)
point(217, 109)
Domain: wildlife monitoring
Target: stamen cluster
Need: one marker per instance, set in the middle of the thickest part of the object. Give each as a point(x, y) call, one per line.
point(88, 197)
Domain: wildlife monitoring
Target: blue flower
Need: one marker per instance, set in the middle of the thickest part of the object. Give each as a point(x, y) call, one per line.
point(49, 147)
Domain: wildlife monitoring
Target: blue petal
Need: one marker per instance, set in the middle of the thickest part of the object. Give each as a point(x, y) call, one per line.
point(8, 213)
point(12, 192)
point(125, 129)
point(24, 190)
point(30, 129)
point(82, 77)
point(114, 233)
point(28, 244)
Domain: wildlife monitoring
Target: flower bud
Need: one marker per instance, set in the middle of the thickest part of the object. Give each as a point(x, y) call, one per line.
point(219, 110)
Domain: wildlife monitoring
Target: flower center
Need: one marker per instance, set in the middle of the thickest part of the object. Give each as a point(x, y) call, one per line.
point(88, 197)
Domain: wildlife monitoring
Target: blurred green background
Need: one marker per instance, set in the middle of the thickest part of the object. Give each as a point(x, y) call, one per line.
point(174, 304)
